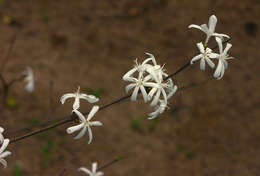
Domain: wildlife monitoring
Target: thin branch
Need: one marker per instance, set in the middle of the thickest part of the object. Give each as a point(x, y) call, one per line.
point(110, 163)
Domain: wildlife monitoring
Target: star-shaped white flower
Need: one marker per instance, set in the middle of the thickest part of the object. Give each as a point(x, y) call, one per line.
point(160, 87)
point(1, 135)
point(29, 79)
point(93, 172)
point(204, 56)
point(85, 124)
point(210, 29)
point(159, 109)
point(139, 84)
point(223, 56)
point(3, 153)
point(140, 68)
point(77, 95)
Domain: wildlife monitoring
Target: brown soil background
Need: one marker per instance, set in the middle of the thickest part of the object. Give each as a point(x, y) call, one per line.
point(211, 129)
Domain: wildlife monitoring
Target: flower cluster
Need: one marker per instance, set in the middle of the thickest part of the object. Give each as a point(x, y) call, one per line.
point(206, 54)
point(4, 142)
point(149, 79)
point(94, 171)
point(85, 124)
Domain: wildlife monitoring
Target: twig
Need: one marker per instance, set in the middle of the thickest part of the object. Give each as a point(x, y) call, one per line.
point(110, 163)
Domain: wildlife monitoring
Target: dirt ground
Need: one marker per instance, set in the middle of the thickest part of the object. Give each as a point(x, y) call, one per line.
point(210, 130)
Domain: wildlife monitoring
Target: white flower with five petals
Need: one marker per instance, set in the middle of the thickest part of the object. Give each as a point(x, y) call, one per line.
point(204, 56)
point(29, 79)
point(3, 153)
point(223, 56)
point(210, 29)
point(93, 172)
point(77, 95)
point(85, 124)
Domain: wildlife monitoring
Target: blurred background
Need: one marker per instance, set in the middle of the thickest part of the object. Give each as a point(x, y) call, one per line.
point(211, 129)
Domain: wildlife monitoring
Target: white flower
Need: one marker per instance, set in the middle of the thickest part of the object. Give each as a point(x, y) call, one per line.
point(223, 56)
point(4, 154)
point(204, 56)
point(159, 109)
point(93, 172)
point(161, 88)
point(210, 31)
point(140, 68)
point(77, 95)
point(156, 71)
point(29, 79)
point(1, 135)
point(139, 83)
point(85, 124)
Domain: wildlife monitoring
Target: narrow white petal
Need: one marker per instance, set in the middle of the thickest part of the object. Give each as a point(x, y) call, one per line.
point(89, 98)
point(129, 74)
point(220, 46)
point(220, 35)
point(129, 87)
point(144, 93)
point(30, 86)
point(156, 98)
point(195, 26)
point(76, 103)
point(134, 94)
point(218, 69)
point(153, 114)
point(194, 59)
point(92, 112)
point(151, 57)
point(225, 64)
point(213, 55)
point(83, 169)
point(5, 154)
point(94, 167)
point(202, 64)
point(210, 63)
point(99, 173)
point(90, 135)
point(96, 123)
point(201, 47)
point(81, 133)
point(164, 95)
point(212, 23)
point(172, 92)
point(80, 115)
point(227, 48)
point(72, 129)
point(151, 93)
point(65, 97)
point(1, 138)
point(204, 28)
point(4, 145)
point(3, 162)
point(2, 130)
